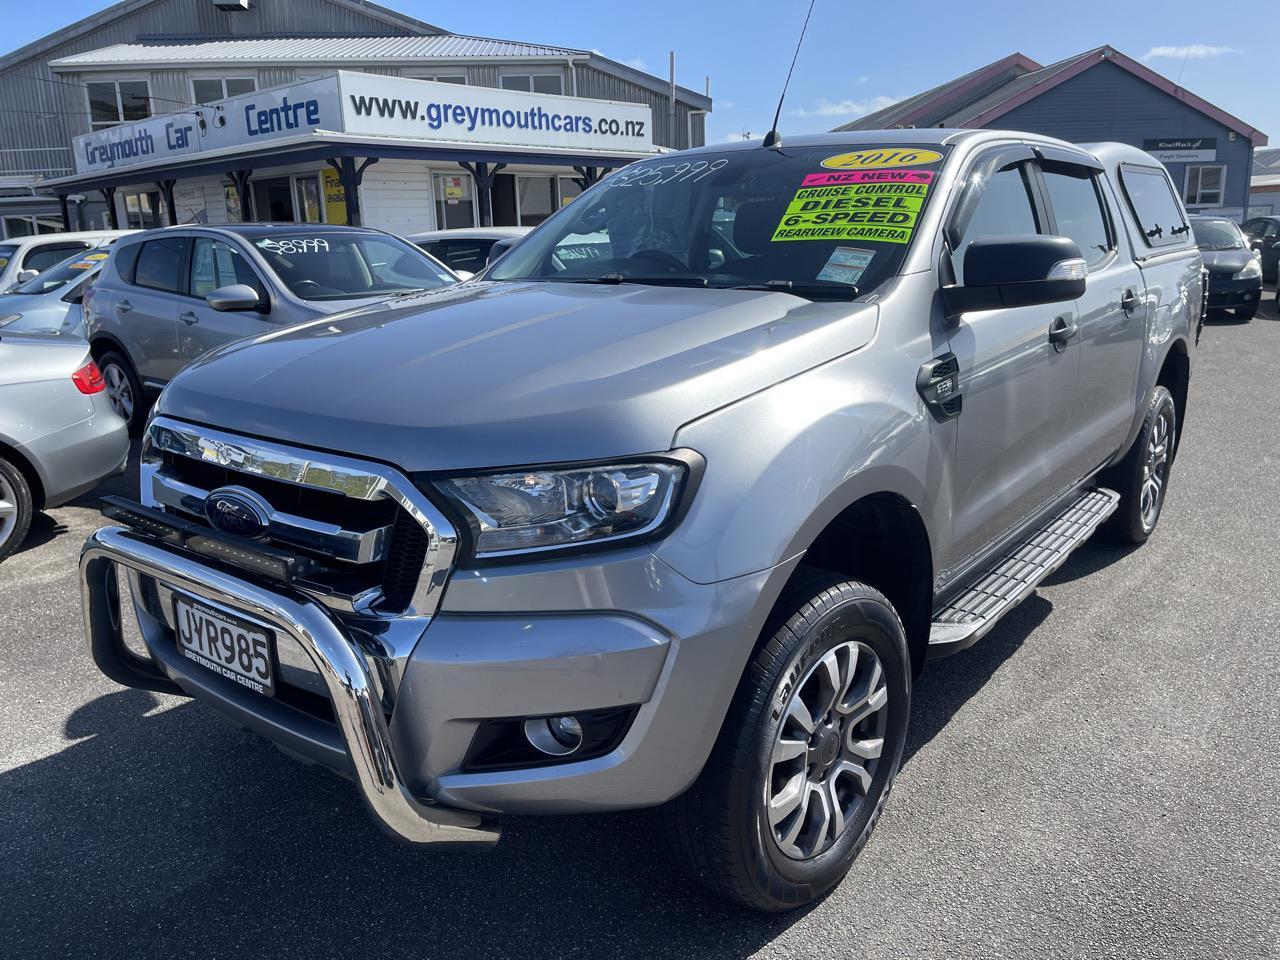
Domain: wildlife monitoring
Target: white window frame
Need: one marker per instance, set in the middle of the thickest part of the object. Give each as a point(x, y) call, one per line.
point(293, 179)
point(160, 212)
point(438, 200)
point(1186, 185)
point(33, 220)
point(94, 125)
point(223, 79)
point(440, 75)
point(531, 73)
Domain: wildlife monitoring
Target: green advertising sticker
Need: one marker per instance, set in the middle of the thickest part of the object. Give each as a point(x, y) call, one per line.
point(885, 212)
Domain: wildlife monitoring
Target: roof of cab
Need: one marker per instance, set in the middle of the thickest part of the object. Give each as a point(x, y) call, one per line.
point(928, 136)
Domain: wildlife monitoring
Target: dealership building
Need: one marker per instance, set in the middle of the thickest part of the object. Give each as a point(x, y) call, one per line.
point(155, 112)
point(1098, 95)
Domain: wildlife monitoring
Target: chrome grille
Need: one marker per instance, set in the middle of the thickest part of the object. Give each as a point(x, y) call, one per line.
point(381, 548)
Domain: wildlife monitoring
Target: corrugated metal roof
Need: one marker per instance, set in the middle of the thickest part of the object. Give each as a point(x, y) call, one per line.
point(919, 110)
point(310, 49)
point(1266, 161)
point(1014, 87)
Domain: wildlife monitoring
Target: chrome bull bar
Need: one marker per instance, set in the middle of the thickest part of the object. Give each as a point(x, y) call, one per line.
point(352, 692)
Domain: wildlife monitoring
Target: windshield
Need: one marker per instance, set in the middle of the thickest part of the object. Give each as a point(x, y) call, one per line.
point(815, 221)
point(65, 274)
point(1217, 234)
point(341, 266)
point(7, 250)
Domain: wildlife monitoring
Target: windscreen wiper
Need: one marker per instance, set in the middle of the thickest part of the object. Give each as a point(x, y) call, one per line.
point(803, 288)
point(659, 281)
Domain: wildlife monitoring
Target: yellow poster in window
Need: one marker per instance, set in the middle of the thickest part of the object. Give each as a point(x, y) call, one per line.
point(335, 201)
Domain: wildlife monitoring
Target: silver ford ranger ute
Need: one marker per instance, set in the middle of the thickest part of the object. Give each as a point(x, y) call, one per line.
point(672, 503)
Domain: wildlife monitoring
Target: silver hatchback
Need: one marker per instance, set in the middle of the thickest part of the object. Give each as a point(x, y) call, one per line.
point(167, 296)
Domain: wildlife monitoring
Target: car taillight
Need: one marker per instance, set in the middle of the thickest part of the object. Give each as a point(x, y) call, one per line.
point(88, 379)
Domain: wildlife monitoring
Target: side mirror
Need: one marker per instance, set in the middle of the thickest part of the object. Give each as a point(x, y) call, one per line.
point(235, 296)
point(25, 276)
point(1017, 272)
point(500, 248)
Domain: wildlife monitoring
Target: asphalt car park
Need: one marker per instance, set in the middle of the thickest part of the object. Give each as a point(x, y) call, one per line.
point(1095, 778)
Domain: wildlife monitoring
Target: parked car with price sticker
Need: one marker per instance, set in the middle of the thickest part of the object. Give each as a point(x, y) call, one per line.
point(166, 296)
point(680, 521)
point(53, 301)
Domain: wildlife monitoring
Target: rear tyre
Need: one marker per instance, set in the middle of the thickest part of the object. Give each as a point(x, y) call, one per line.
point(124, 390)
point(808, 751)
point(16, 508)
point(1142, 477)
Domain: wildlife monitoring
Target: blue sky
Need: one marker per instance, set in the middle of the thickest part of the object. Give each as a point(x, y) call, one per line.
point(858, 56)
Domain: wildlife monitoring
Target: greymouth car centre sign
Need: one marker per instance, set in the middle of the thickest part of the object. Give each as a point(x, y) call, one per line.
point(358, 104)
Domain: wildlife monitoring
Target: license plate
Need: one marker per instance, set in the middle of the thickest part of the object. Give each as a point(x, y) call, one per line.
point(234, 648)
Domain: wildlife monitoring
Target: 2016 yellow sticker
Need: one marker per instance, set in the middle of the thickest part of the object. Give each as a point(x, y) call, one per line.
point(881, 158)
point(885, 212)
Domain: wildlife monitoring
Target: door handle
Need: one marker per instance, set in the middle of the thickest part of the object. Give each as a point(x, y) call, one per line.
point(124, 306)
point(188, 318)
point(1129, 303)
point(1061, 330)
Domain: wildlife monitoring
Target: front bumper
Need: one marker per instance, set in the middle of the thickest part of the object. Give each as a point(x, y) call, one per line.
point(616, 631)
point(360, 743)
point(1233, 294)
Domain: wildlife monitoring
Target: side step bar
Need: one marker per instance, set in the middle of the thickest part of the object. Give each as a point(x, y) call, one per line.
point(1008, 580)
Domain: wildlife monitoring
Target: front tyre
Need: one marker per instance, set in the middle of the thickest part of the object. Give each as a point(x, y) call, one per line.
point(808, 752)
point(1142, 477)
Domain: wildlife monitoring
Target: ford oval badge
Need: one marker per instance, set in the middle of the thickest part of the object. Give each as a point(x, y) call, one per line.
point(237, 511)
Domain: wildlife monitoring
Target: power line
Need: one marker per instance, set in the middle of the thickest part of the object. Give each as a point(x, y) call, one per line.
point(85, 86)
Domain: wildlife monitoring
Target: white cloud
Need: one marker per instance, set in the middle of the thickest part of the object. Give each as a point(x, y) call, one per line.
point(845, 108)
point(862, 79)
point(636, 63)
point(725, 104)
point(1192, 51)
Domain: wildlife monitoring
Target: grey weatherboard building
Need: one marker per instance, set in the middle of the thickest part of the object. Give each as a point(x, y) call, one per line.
point(174, 45)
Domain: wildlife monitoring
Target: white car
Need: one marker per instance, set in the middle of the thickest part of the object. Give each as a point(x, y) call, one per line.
point(465, 250)
point(25, 258)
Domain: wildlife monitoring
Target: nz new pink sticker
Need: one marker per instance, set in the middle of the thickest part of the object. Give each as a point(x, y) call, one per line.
point(867, 176)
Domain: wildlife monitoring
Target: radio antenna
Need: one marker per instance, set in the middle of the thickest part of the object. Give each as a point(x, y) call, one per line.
point(773, 138)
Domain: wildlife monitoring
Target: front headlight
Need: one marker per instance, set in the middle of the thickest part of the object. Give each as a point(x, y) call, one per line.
point(1250, 270)
point(542, 509)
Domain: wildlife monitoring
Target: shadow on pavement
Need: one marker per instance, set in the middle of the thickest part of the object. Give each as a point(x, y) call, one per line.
point(947, 685)
point(155, 828)
point(43, 529)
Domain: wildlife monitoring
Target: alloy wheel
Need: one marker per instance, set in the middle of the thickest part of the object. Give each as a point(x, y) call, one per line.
point(8, 510)
point(1155, 469)
point(119, 391)
point(826, 751)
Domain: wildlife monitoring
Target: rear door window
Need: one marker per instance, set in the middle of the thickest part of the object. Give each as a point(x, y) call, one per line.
point(162, 264)
point(464, 254)
point(46, 255)
point(1078, 210)
point(1155, 206)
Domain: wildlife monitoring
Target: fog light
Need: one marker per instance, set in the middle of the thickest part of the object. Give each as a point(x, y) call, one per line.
point(554, 736)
